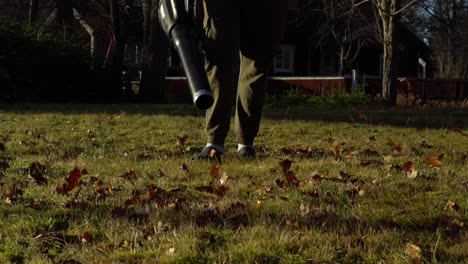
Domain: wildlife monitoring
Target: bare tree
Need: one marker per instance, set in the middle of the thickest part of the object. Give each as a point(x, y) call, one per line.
point(345, 24)
point(447, 22)
point(389, 12)
point(119, 30)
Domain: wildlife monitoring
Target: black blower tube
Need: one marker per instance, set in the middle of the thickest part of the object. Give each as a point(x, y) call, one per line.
point(179, 26)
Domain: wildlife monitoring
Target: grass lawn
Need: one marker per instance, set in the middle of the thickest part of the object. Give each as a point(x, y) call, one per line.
point(116, 184)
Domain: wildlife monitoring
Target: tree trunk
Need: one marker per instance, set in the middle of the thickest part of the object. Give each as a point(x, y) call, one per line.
point(33, 11)
point(341, 60)
point(155, 53)
point(118, 50)
point(390, 47)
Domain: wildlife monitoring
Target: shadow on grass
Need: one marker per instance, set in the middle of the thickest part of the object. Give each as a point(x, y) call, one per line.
point(373, 114)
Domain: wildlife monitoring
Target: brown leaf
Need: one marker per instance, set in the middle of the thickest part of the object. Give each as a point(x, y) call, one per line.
point(73, 180)
point(12, 194)
point(214, 171)
point(408, 167)
point(458, 130)
point(86, 237)
point(222, 191)
point(134, 200)
point(37, 171)
point(291, 179)
point(285, 165)
point(433, 162)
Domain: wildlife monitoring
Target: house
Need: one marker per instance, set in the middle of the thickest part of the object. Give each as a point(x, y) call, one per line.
point(306, 53)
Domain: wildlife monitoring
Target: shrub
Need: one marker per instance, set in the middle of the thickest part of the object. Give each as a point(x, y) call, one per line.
point(43, 66)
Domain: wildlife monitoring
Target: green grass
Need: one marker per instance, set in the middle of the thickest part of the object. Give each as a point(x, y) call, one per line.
point(349, 200)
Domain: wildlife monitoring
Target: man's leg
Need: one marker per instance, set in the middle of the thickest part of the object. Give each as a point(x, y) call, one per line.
point(262, 26)
point(221, 24)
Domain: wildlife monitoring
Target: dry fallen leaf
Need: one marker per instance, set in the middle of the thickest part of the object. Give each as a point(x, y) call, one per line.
point(414, 253)
point(291, 179)
point(451, 206)
point(285, 165)
point(12, 195)
point(408, 166)
point(214, 171)
point(224, 178)
point(412, 174)
point(458, 130)
point(73, 180)
point(434, 162)
point(86, 237)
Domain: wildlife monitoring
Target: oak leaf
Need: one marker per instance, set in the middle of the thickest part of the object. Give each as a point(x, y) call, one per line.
point(73, 180)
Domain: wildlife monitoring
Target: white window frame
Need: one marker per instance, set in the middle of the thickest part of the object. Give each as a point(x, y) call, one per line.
point(290, 50)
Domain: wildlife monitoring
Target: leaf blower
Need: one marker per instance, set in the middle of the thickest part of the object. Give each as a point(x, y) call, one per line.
point(177, 19)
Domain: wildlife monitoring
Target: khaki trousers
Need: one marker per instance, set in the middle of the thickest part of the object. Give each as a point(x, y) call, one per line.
point(252, 30)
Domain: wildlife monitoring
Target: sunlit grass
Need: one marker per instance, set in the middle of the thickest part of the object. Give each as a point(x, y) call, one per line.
point(351, 198)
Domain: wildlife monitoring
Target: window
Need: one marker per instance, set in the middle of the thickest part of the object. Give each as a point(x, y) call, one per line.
point(284, 60)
